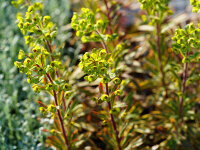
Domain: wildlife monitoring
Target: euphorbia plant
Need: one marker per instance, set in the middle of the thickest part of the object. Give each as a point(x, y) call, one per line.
point(157, 11)
point(187, 45)
point(42, 64)
point(98, 63)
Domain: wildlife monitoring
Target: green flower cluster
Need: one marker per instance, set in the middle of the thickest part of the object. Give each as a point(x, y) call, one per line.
point(17, 3)
point(50, 109)
point(186, 40)
point(37, 65)
point(36, 69)
point(42, 28)
point(156, 9)
point(88, 29)
point(96, 65)
point(196, 5)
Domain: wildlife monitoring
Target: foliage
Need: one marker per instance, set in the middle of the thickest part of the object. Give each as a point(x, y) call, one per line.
point(20, 126)
point(142, 87)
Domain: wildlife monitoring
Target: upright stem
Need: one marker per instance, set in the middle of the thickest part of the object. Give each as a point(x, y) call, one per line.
point(50, 50)
point(113, 121)
point(160, 56)
point(59, 116)
point(108, 16)
point(102, 42)
point(183, 89)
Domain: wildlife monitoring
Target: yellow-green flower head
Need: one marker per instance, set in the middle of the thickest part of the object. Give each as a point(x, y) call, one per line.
point(83, 23)
point(95, 64)
point(38, 5)
point(21, 54)
point(105, 97)
point(51, 108)
point(66, 87)
point(118, 92)
point(17, 64)
point(55, 64)
point(28, 39)
point(42, 110)
point(36, 50)
point(68, 94)
point(28, 62)
point(154, 7)
point(49, 87)
point(36, 88)
point(53, 132)
point(67, 116)
point(116, 81)
point(99, 24)
point(31, 9)
point(196, 5)
point(185, 40)
point(46, 19)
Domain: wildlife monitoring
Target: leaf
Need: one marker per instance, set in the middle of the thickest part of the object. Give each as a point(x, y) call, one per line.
point(134, 144)
point(101, 89)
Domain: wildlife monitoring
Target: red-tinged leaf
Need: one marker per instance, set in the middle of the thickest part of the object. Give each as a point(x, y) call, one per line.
point(60, 96)
point(94, 112)
point(44, 130)
point(101, 90)
point(74, 140)
point(42, 104)
point(89, 118)
point(45, 81)
point(52, 140)
point(57, 124)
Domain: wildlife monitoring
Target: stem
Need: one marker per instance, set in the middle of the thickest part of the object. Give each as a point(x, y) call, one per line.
point(50, 50)
point(113, 121)
point(59, 115)
point(183, 89)
point(160, 56)
point(102, 42)
point(108, 16)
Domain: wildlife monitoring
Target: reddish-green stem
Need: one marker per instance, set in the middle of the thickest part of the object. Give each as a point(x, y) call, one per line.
point(59, 115)
point(183, 89)
point(108, 16)
point(113, 121)
point(103, 42)
point(50, 50)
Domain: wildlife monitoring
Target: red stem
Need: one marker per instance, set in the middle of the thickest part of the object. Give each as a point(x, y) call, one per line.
point(50, 50)
point(102, 42)
point(113, 121)
point(59, 115)
point(183, 89)
point(108, 16)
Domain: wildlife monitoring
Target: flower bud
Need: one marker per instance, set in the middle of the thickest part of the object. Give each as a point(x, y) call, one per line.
point(67, 87)
point(51, 108)
point(31, 9)
point(21, 54)
point(116, 81)
point(46, 19)
point(68, 94)
point(105, 79)
point(27, 62)
point(36, 88)
point(118, 92)
point(99, 24)
point(105, 97)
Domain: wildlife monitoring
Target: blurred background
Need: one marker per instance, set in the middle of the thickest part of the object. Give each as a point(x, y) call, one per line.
point(21, 126)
